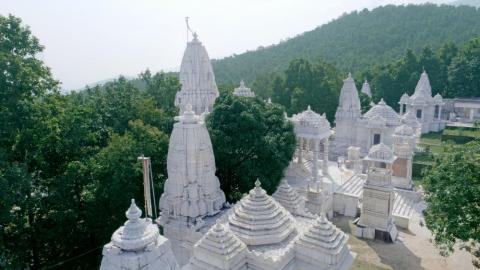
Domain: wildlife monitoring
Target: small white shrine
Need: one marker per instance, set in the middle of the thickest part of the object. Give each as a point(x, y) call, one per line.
point(243, 91)
point(427, 109)
point(376, 220)
point(199, 88)
point(366, 89)
point(312, 131)
point(138, 245)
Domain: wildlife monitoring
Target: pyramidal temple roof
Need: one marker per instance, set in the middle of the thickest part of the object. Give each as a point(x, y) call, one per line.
point(423, 84)
point(197, 78)
point(324, 242)
point(257, 219)
point(349, 101)
point(219, 248)
point(366, 89)
point(288, 198)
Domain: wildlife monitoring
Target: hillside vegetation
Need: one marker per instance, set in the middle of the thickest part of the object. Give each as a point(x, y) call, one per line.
point(358, 40)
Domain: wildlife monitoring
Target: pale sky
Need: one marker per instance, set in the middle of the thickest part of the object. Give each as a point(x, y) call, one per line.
point(92, 40)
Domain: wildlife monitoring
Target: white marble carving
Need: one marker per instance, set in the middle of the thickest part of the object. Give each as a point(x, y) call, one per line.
point(197, 78)
point(243, 91)
point(138, 245)
point(376, 219)
point(427, 109)
point(192, 191)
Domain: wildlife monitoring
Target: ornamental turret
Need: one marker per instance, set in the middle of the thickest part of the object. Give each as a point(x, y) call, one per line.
point(197, 78)
point(366, 89)
point(138, 245)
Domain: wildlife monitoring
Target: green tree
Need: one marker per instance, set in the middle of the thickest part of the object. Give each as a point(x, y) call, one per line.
point(251, 139)
point(452, 193)
point(463, 72)
point(365, 102)
point(162, 88)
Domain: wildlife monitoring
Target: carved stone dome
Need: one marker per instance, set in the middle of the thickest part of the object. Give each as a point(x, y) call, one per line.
point(311, 123)
point(384, 111)
point(405, 98)
point(438, 98)
point(257, 219)
point(404, 130)
point(381, 153)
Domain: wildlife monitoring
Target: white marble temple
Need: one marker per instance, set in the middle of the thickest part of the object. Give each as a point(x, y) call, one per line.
point(243, 91)
point(138, 245)
point(366, 89)
point(427, 109)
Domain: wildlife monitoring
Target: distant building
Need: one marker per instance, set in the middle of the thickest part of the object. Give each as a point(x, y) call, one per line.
point(462, 110)
point(243, 91)
point(426, 108)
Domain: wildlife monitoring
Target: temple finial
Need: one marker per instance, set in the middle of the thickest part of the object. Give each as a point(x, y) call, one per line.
point(258, 183)
point(133, 212)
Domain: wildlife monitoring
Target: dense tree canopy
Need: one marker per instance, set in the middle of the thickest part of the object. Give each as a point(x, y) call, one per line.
point(358, 40)
point(452, 193)
point(251, 139)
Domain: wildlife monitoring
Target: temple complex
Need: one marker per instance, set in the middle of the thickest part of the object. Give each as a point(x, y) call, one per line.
point(243, 91)
point(354, 171)
point(426, 108)
point(199, 88)
point(138, 245)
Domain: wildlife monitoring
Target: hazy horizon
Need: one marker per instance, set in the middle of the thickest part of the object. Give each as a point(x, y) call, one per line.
point(90, 41)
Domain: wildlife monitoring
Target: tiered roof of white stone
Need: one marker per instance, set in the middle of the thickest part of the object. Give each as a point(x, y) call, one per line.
point(138, 245)
point(192, 190)
point(290, 199)
point(349, 103)
point(257, 219)
point(323, 243)
point(366, 89)
point(219, 248)
point(197, 78)
point(423, 93)
point(411, 120)
point(243, 91)
point(382, 110)
point(309, 124)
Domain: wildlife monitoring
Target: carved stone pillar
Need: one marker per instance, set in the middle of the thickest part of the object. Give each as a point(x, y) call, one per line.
point(315, 160)
point(300, 150)
point(325, 158)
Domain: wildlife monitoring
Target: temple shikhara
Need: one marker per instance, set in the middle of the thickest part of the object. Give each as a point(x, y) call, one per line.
point(361, 168)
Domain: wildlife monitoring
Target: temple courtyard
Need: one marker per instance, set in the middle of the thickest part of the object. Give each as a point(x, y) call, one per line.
point(413, 250)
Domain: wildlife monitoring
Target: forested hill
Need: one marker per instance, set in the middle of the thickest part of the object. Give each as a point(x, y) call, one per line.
point(359, 39)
